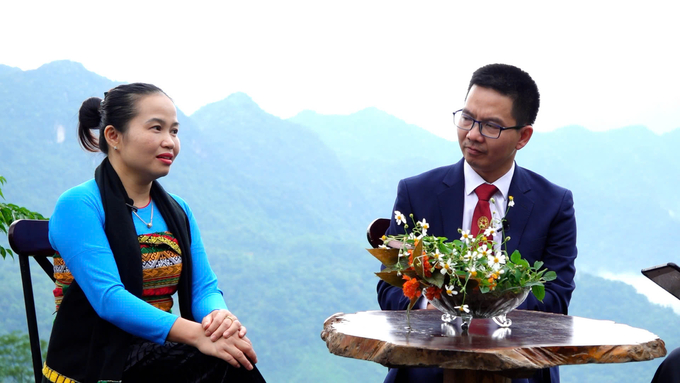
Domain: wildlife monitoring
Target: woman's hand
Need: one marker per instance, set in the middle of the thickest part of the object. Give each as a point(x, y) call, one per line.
point(222, 323)
point(234, 350)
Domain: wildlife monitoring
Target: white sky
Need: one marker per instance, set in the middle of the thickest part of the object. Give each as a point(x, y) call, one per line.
point(600, 66)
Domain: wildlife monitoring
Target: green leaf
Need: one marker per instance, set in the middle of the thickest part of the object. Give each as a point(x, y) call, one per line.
point(550, 276)
point(539, 292)
point(7, 215)
point(436, 279)
point(538, 265)
point(515, 257)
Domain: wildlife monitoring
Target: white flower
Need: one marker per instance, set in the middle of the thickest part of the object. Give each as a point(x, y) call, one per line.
point(399, 217)
point(490, 232)
point(462, 308)
point(449, 290)
point(382, 246)
point(497, 260)
point(484, 251)
point(467, 256)
point(466, 237)
point(511, 203)
point(446, 267)
point(424, 225)
point(437, 255)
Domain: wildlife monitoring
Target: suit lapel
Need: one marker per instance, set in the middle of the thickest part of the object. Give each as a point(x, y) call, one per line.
point(518, 215)
point(451, 201)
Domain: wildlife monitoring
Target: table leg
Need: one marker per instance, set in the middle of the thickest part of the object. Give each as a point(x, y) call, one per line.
point(472, 376)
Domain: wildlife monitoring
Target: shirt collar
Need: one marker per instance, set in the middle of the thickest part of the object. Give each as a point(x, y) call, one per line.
point(472, 180)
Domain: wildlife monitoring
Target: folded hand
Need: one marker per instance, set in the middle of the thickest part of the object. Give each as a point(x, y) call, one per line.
point(237, 351)
point(222, 323)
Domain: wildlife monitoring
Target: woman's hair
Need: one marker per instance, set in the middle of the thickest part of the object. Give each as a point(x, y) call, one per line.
point(116, 109)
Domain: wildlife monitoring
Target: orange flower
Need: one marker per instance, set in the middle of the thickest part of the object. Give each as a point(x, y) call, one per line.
point(411, 287)
point(433, 292)
point(427, 268)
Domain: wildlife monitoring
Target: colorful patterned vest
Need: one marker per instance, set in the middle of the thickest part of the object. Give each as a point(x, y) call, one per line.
point(161, 265)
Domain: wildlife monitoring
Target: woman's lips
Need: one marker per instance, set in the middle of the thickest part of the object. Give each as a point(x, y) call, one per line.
point(165, 158)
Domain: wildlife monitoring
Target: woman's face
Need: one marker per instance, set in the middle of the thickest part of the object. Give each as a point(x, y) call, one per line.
point(150, 145)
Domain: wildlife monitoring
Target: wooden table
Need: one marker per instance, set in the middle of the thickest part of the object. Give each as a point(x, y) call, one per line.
point(486, 353)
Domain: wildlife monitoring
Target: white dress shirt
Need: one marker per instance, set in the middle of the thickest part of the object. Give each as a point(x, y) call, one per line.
point(472, 180)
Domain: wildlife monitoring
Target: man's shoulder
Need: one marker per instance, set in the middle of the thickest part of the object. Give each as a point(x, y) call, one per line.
point(434, 176)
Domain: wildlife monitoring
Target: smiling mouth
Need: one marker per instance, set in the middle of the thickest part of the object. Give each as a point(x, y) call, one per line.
point(166, 158)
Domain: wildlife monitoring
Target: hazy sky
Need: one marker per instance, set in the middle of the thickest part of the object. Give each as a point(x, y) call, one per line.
point(600, 66)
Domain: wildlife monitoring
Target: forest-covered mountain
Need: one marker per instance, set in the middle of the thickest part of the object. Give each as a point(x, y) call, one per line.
point(283, 206)
point(621, 179)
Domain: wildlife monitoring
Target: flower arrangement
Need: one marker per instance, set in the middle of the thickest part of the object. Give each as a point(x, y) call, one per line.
point(421, 263)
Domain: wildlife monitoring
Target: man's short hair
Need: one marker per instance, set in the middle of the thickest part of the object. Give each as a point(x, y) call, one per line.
point(513, 82)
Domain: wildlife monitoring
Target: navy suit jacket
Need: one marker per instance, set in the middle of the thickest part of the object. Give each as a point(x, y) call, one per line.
point(541, 226)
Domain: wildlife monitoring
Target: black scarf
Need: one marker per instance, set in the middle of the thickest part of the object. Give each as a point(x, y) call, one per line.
point(83, 346)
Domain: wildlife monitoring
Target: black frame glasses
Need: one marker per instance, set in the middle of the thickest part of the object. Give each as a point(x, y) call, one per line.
point(486, 128)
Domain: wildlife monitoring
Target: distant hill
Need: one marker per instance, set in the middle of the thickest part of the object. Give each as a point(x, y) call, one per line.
point(279, 215)
point(283, 207)
point(4, 70)
point(621, 179)
point(378, 149)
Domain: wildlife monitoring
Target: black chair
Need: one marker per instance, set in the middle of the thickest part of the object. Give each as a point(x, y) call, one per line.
point(28, 238)
point(376, 230)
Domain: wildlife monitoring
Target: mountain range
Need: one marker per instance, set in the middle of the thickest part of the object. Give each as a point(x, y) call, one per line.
point(283, 206)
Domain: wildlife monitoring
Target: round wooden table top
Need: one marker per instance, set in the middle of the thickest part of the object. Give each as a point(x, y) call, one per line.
point(535, 340)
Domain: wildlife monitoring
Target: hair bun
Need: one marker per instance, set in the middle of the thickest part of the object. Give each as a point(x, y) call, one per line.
point(89, 117)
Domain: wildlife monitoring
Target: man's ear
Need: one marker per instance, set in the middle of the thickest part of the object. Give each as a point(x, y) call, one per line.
point(524, 136)
point(112, 136)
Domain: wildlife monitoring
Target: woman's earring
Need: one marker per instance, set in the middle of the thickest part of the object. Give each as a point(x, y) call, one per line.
point(115, 148)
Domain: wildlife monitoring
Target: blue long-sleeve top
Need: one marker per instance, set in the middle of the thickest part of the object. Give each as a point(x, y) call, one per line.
point(76, 231)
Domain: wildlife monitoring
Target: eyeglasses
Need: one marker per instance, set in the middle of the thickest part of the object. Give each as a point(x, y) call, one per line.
point(487, 128)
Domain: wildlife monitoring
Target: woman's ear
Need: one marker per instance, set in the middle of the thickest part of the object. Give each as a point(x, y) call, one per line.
point(112, 137)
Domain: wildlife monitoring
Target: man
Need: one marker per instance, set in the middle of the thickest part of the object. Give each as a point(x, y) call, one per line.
point(496, 121)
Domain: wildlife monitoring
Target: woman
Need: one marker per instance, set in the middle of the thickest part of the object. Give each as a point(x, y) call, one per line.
point(126, 246)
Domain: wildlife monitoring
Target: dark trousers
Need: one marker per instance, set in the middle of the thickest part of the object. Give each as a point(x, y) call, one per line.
point(434, 375)
point(669, 369)
point(176, 362)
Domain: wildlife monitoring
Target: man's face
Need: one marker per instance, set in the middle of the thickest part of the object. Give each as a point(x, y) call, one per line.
point(491, 158)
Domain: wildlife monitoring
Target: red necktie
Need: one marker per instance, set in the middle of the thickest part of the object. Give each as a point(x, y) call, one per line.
point(481, 218)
